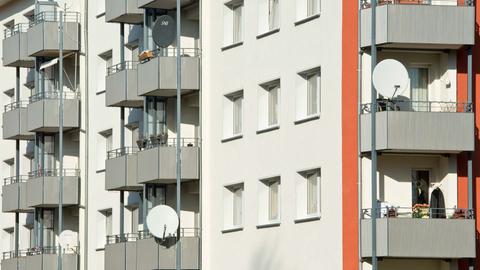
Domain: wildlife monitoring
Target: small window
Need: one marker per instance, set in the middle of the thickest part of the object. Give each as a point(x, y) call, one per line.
point(11, 237)
point(104, 145)
point(108, 139)
point(107, 222)
point(307, 8)
point(269, 201)
point(308, 194)
point(233, 22)
point(104, 62)
point(10, 93)
point(308, 94)
point(49, 237)
point(268, 15)
point(233, 206)
point(233, 114)
point(268, 105)
point(10, 164)
point(9, 24)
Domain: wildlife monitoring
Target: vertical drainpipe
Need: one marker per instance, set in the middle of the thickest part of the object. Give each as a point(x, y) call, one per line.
point(373, 137)
point(200, 181)
point(87, 132)
point(359, 139)
point(17, 166)
point(60, 136)
point(178, 148)
point(122, 142)
point(470, 154)
point(145, 125)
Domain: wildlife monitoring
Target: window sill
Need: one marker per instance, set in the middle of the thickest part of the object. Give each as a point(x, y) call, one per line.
point(230, 230)
point(232, 138)
point(307, 219)
point(308, 118)
point(101, 14)
point(269, 225)
point(100, 92)
point(227, 47)
point(100, 171)
point(307, 19)
point(270, 32)
point(100, 249)
point(267, 129)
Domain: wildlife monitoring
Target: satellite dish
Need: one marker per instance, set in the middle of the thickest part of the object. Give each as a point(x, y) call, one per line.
point(164, 31)
point(162, 221)
point(67, 239)
point(390, 78)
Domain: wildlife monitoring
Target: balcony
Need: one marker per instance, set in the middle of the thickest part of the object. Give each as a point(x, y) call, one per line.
point(157, 161)
point(45, 258)
point(123, 11)
point(43, 34)
point(427, 127)
point(157, 76)
point(43, 112)
point(442, 24)
point(14, 194)
point(415, 233)
point(15, 122)
point(162, 4)
point(15, 53)
point(121, 86)
point(10, 261)
point(142, 252)
point(43, 188)
point(121, 170)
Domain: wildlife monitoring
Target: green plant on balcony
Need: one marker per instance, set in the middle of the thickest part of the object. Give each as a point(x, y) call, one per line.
point(420, 211)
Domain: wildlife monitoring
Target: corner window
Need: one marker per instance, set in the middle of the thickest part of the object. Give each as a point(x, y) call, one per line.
point(308, 194)
point(308, 94)
point(233, 206)
point(268, 105)
point(233, 115)
point(233, 22)
point(268, 15)
point(269, 201)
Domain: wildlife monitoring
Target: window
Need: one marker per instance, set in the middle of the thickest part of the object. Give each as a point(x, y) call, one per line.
point(307, 8)
point(108, 222)
point(233, 206)
point(156, 195)
point(233, 22)
point(268, 105)
point(233, 114)
point(105, 145)
point(10, 93)
point(11, 238)
point(156, 116)
point(135, 219)
point(49, 153)
point(104, 62)
point(10, 164)
point(308, 194)
point(308, 94)
point(100, 8)
point(268, 15)
point(48, 227)
point(269, 201)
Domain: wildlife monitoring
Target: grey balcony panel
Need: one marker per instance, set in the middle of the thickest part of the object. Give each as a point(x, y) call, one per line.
point(158, 165)
point(123, 11)
point(14, 197)
point(157, 77)
point(121, 89)
point(43, 38)
point(15, 53)
point(421, 238)
point(43, 191)
point(43, 115)
point(147, 254)
point(49, 262)
point(15, 125)
point(11, 264)
point(420, 26)
point(428, 132)
point(151, 255)
point(163, 4)
point(34, 262)
point(121, 173)
point(121, 256)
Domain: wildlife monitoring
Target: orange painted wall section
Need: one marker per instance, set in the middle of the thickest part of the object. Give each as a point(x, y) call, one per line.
point(349, 134)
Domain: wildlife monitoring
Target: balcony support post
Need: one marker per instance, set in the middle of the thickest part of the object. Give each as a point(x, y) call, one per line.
point(470, 154)
point(122, 130)
point(60, 135)
point(17, 165)
point(178, 246)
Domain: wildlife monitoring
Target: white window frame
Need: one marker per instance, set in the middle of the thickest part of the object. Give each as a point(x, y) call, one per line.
point(105, 60)
point(231, 115)
point(232, 206)
point(231, 9)
point(265, 198)
point(302, 95)
point(302, 9)
point(268, 16)
point(302, 195)
point(267, 104)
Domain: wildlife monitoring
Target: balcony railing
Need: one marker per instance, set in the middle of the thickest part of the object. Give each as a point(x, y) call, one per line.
point(15, 179)
point(127, 65)
point(17, 28)
point(161, 140)
point(54, 95)
point(16, 105)
point(120, 152)
point(53, 172)
point(54, 16)
point(419, 211)
point(418, 106)
point(367, 3)
point(172, 52)
point(51, 250)
point(11, 254)
point(132, 237)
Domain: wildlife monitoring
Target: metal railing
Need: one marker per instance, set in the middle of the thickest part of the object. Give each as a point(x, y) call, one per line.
point(51, 250)
point(16, 29)
point(163, 141)
point(11, 254)
point(15, 179)
point(418, 106)
point(54, 16)
point(367, 3)
point(53, 172)
point(127, 65)
point(120, 152)
point(419, 211)
point(16, 105)
point(53, 95)
point(171, 52)
point(132, 237)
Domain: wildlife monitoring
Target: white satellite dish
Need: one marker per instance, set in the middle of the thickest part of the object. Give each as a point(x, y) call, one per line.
point(390, 78)
point(67, 239)
point(162, 221)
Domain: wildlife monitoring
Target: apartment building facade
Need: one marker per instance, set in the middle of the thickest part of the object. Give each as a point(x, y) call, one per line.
point(275, 135)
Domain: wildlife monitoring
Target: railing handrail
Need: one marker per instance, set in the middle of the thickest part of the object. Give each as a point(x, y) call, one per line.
point(120, 152)
point(16, 105)
point(54, 16)
point(132, 237)
point(53, 172)
point(418, 106)
point(366, 3)
point(53, 95)
point(125, 65)
point(17, 28)
point(419, 211)
point(162, 141)
point(52, 250)
point(15, 179)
